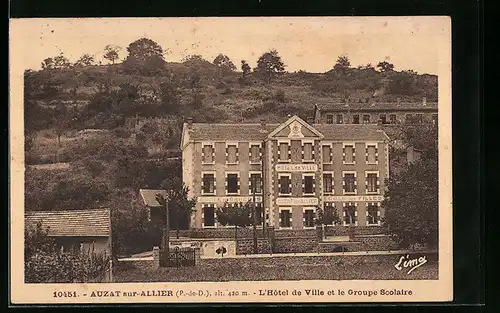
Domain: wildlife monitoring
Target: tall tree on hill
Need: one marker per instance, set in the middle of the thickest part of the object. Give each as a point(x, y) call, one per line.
point(223, 62)
point(385, 66)
point(342, 65)
point(245, 68)
point(59, 62)
point(143, 49)
point(111, 53)
point(85, 60)
point(269, 66)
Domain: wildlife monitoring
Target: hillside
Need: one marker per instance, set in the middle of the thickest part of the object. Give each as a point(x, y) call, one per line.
point(109, 130)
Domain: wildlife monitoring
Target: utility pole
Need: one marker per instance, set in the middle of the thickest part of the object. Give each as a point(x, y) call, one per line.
point(255, 249)
point(166, 230)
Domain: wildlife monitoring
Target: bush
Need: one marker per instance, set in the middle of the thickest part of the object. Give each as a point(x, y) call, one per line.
point(122, 132)
point(280, 96)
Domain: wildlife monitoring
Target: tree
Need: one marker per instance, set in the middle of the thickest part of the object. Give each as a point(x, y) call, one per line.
point(59, 62)
point(342, 65)
point(402, 83)
point(180, 205)
point(237, 216)
point(385, 66)
point(327, 216)
point(170, 98)
point(245, 68)
point(85, 60)
point(411, 205)
point(193, 58)
point(223, 62)
point(111, 53)
point(143, 49)
point(269, 66)
point(60, 120)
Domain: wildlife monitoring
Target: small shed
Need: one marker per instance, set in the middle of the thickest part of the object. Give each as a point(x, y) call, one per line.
point(155, 210)
point(76, 230)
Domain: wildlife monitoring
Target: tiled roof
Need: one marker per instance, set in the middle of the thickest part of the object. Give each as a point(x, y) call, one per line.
point(76, 223)
point(351, 132)
point(248, 132)
point(339, 106)
point(149, 196)
point(206, 131)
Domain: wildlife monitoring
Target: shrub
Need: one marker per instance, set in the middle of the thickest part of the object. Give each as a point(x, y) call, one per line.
point(122, 132)
point(280, 95)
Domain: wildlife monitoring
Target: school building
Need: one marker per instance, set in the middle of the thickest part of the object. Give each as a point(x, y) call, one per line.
point(290, 169)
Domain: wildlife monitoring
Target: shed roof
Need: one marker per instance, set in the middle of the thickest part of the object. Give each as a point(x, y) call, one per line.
point(72, 223)
point(149, 196)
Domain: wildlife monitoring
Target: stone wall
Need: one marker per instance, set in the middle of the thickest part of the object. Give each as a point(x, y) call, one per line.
point(347, 246)
point(298, 260)
point(377, 243)
point(358, 230)
point(227, 232)
point(295, 245)
point(286, 233)
point(245, 246)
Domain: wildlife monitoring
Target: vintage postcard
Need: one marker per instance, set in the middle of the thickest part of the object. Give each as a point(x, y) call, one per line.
point(246, 160)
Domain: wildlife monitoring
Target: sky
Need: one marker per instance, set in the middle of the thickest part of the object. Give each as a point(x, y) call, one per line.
point(311, 44)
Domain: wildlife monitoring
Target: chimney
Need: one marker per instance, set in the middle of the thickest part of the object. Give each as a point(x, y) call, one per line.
point(263, 123)
point(398, 101)
point(263, 129)
point(424, 101)
point(189, 122)
point(346, 101)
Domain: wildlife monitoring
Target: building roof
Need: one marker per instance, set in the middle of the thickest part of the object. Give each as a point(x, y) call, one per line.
point(72, 223)
point(149, 196)
point(377, 106)
point(258, 132)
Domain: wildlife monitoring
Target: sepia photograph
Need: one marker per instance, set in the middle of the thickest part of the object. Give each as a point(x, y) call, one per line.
point(314, 152)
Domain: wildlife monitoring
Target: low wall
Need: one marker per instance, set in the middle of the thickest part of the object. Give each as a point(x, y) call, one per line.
point(295, 245)
point(358, 230)
point(378, 243)
point(295, 260)
point(347, 246)
point(226, 232)
point(245, 246)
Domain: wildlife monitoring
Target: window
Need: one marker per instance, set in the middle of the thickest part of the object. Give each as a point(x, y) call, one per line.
point(349, 183)
point(255, 154)
point(350, 215)
point(409, 118)
point(308, 184)
point(327, 183)
point(208, 156)
point(329, 119)
point(340, 119)
point(284, 152)
point(232, 154)
point(208, 184)
point(285, 184)
point(420, 118)
point(372, 183)
point(208, 215)
point(255, 183)
point(233, 184)
point(327, 154)
point(371, 154)
point(372, 214)
point(309, 218)
point(329, 213)
point(435, 119)
point(355, 119)
point(366, 119)
point(285, 218)
point(307, 151)
point(393, 119)
point(349, 154)
point(383, 118)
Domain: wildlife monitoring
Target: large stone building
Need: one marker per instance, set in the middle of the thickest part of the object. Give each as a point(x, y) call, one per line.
point(371, 112)
point(297, 167)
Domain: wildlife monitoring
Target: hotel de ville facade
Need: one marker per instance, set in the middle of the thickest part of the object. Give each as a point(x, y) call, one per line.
point(289, 170)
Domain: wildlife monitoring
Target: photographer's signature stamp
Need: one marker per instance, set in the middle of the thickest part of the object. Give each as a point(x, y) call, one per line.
point(410, 263)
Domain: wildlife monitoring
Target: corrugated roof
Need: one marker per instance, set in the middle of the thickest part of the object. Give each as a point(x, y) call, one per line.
point(244, 132)
point(149, 196)
point(78, 223)
point(340, 106)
